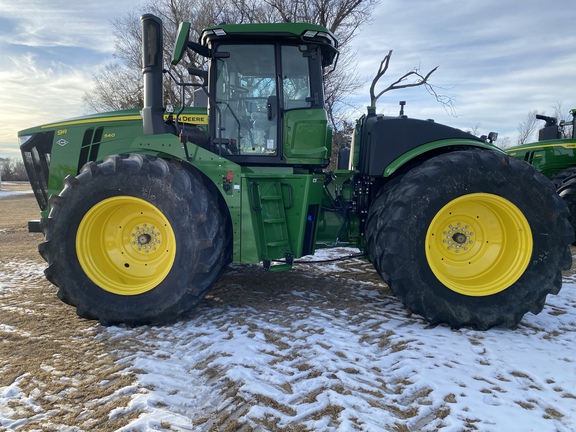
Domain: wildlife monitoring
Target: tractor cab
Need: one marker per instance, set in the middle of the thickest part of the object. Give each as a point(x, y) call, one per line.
point(265, 91)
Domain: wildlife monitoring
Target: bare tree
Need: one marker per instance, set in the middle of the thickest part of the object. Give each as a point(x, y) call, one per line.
point(475, 130)
point(504, 142)
point(12, 170)
point(115, 88)
point(413, 78)
point(118, 84)
point(527, 128)
point(342, 17)
point(564, 117)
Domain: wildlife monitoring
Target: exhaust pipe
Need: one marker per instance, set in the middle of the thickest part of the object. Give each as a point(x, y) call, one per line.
point(152, 50)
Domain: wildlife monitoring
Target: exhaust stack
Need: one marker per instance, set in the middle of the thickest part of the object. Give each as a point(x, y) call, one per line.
point(152, 50)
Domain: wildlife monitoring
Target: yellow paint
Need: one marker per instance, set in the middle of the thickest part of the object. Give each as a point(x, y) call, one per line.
point(125, 245)
point(571, 145)
point(94, 120)
point(190, 118)
point(184, 118)
point(479, 244)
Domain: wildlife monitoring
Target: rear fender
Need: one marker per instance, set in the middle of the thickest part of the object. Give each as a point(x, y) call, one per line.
point(386, 143)
point(433, 148)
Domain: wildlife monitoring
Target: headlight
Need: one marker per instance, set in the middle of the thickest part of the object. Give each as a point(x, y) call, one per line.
point(24, 139)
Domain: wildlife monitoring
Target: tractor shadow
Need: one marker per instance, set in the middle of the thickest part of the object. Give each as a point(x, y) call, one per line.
point(254, 290)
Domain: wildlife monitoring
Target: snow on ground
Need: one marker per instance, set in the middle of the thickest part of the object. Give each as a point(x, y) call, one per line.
point(339, 353)
point(327, 369)
point(5, 193)
point(13, 188)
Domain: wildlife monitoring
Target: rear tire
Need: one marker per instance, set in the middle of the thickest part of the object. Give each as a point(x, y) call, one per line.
point(470, 238)
point(135, 239)
point(567, 191)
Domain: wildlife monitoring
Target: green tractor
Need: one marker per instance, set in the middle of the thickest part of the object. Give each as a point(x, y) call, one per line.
point(142, 215)
point(555, 157)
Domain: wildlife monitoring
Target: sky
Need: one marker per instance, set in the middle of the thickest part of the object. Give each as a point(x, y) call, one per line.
point(497, 60)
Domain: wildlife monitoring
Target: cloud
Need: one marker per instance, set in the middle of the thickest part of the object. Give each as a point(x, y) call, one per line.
point(34, 95)
point(37, 23)
point(49, 51)
point(498, 60)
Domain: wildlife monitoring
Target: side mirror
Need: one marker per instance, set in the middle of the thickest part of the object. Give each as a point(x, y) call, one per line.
point(181, 42)
point(199, 73)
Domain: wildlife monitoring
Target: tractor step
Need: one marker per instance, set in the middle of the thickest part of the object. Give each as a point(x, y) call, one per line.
point(275, 220)
point(277, 243)
point(287, 265)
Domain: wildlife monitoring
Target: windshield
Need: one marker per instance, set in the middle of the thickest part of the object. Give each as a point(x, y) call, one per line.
point(247, 95)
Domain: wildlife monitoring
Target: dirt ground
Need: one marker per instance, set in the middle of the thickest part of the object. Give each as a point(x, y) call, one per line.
point(50, 336)
point(71, 370)
point(65, 372)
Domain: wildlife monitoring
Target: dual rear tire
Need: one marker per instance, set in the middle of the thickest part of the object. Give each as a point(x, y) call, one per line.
point(470, 238)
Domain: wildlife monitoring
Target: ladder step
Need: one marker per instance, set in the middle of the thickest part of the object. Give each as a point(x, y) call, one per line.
point(280, 267)
point(270, 198)
point(276, 220)
point(277, 243)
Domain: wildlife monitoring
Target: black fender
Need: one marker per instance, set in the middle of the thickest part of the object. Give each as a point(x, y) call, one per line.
point(388, 142)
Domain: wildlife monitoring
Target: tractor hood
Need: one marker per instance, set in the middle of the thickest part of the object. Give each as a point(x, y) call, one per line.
point(110, 116)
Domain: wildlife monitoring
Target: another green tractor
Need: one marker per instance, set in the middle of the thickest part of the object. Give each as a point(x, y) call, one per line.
point(142, 215)
point(555, 157)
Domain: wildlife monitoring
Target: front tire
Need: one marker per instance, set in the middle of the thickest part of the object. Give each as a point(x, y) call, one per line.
point(470, 238)
point(135, 239)
point(561, 176)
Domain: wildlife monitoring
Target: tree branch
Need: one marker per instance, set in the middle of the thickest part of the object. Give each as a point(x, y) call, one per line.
point(420, 79)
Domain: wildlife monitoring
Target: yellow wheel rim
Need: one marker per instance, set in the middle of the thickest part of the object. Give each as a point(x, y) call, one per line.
point(125, 245)
point(479, 244)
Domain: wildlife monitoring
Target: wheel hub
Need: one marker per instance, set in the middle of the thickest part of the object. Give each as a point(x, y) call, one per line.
point(145, 238)
point(458, 237)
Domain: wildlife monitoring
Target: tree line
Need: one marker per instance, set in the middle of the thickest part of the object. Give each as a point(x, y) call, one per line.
point(529, 127)
point(12, 170)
